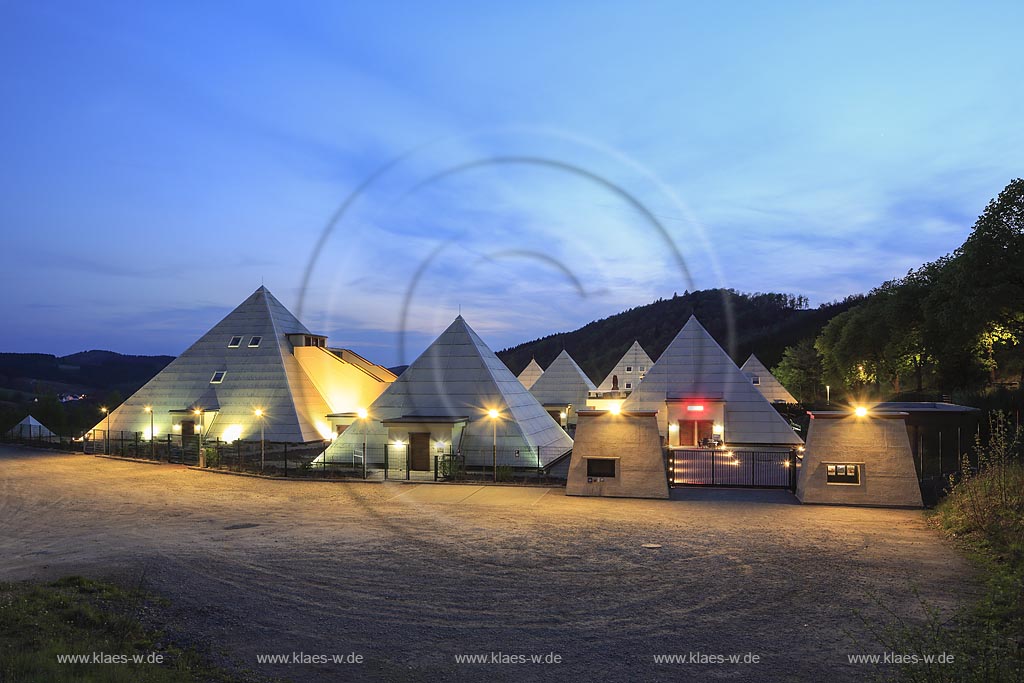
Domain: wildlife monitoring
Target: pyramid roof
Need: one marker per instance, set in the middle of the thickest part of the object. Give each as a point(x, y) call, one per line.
point(261, 371)
point(531, 373)
point(29, 427)
point(564, 382)
point(634, 358)
point(695, 365)
point(459, 377)
point(770, 387)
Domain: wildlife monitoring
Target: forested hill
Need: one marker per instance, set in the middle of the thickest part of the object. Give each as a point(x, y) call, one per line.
point(764, 324)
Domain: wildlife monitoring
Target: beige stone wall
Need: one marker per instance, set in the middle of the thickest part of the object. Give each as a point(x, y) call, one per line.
point(634, 440)
point(879, 444)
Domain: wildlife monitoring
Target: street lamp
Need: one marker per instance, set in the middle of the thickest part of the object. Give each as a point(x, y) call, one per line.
point(493, 414)
point(263, 450)
point(828, 395)
point(106, 440)
point(202, 455)
point(362, 416)
point(152, 438)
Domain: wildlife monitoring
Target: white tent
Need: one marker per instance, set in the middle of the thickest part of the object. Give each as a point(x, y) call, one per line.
point(29, 428)
point(770, 387)
point(562, 385)
point(628, 372)
point(259, 357)
point(700, 393)
point(442, 401)
point(531, 373)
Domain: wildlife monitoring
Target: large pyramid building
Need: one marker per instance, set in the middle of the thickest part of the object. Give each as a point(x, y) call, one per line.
point(259, 357)
point(563, 387)
point(628, 372)
point(531, 373)
point(701, 395)
point(441, 404)
point(765, 381)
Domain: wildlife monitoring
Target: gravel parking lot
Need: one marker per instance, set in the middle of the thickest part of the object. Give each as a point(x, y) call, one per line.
point(412, 576)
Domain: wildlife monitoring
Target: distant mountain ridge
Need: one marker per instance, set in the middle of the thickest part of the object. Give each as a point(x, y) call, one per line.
point(763, 323)
point(94, 370)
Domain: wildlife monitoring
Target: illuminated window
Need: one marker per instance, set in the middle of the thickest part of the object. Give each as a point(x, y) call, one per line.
point(235, 342)
point(755, 379)
point(641, 368)
point(842, 473)
point(601, 467)
point(218, 377)
point(254, 342)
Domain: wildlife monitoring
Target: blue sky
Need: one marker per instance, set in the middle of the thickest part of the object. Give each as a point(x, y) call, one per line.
point(162, 160)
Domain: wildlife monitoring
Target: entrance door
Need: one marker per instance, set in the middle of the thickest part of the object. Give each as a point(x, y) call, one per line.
point(705, 430)
point(188, 427)
point(692, 432)
point(419, 451)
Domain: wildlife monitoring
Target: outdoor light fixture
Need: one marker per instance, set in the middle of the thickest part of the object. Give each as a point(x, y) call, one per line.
point(615, 408)
point(563, 415)
point(152, 436)
point(695, 409)
point(673, 427)
point(493, 414)
point(717, 429)
point(263, 448)
point(860, 411)
point(362, 413)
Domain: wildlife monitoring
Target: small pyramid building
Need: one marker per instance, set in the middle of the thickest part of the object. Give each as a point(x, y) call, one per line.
point(628, 372)
point(563, 387)
point(770, 387)
point(440, 405)
point(29, 428)
point(531, 373)
point(258, 357)
point(699, 394)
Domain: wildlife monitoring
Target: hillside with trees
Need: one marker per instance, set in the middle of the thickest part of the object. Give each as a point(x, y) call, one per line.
point(950, 327)
point(742, 323)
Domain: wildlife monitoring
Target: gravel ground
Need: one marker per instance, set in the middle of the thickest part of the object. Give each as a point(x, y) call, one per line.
point(253, 566)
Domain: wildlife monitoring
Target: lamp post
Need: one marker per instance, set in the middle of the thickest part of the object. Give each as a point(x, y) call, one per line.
point(263, 450)
point(362, 416)
point(202, 455)
point(828, 395)
point(493, 414)
point(152, 437)
point(106, 437)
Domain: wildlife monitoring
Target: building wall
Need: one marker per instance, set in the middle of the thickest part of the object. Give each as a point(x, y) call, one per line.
point(634, 440)
point(877, 444)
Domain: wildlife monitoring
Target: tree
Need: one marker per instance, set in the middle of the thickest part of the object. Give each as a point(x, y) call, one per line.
point(800, 371)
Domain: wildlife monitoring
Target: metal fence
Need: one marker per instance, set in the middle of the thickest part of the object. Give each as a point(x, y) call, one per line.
point(376, 462)
point(732, 467)
point(35, 438)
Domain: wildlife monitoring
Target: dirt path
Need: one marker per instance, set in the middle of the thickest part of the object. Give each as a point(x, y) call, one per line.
point(255, 566)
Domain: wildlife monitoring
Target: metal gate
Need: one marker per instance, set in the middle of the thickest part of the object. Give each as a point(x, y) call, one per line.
point(721, 467)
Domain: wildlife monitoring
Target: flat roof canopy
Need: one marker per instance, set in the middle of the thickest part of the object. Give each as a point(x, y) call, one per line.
point(425, 419)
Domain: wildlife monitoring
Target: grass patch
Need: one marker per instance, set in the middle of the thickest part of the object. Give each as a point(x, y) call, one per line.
point(984, 514)
point(80, 616)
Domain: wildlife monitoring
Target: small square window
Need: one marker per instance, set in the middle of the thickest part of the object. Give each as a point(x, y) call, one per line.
point(235, 342)
point(629, 385)
point(755, 380)
point(842, 473)
point(601, 467)
point(641, 368)
point(255, 342)
point(629, 368)
point(218, 377)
